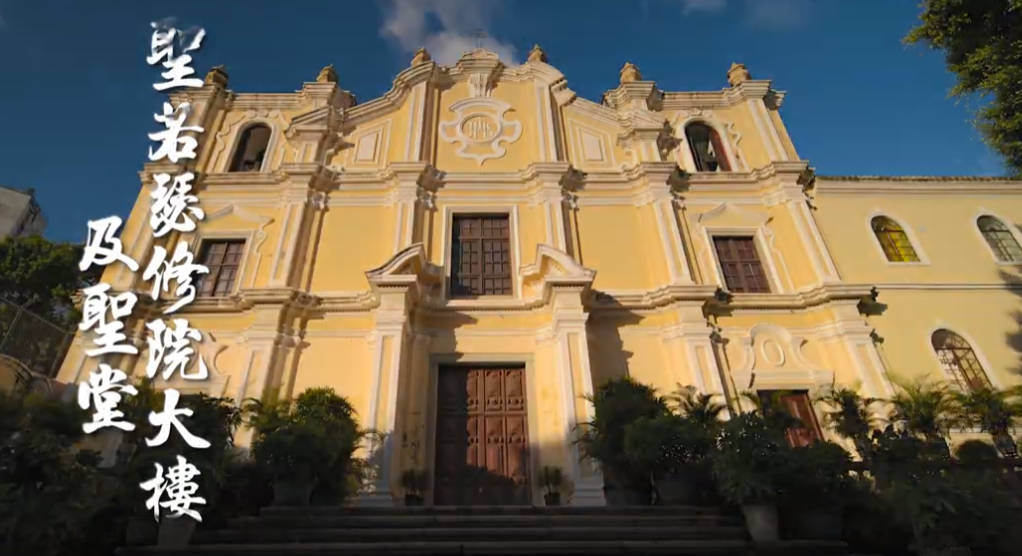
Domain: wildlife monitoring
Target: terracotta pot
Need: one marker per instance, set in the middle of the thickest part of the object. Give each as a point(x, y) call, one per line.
point(552, 499)
point(679, 489)
point(618, 495)
point(291, 492)
point(176, 531)
point(816, 523)
point(413, 500)
point(140, 531)
point(761, 521)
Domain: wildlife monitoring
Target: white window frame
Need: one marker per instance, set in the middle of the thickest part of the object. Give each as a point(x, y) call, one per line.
point(1011, 229)
point(924, 259)
point(452, 210)
point(762, 250)
point(987, 368)
point(271, 145)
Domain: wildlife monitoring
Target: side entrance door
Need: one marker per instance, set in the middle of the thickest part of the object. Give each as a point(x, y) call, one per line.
point(482, 442)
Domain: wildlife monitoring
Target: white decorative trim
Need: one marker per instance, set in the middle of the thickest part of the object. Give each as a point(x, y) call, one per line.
point(757, 372)
point(726, 131)
point(271, 159)
point(490, 129)
point(752, 223)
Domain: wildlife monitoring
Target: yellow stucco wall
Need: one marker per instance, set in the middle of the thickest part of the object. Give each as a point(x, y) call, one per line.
point(347, 231)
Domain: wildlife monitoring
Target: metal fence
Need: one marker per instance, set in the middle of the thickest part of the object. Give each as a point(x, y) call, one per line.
point(32, 340)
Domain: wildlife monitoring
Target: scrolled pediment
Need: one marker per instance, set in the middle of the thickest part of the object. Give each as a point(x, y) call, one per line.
point(772, 359)
point(730, 215)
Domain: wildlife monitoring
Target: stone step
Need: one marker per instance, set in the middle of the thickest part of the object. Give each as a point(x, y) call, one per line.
point(468, 534)
point(473, 520)
point(491, 510)
point(508, 548)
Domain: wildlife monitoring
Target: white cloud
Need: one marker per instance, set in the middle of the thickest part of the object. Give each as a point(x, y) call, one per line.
point(689, 6)
point(408, 24)
point(764, 14)
point(777, 14)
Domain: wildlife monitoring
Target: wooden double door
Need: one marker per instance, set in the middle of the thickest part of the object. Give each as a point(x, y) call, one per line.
point(482, 440)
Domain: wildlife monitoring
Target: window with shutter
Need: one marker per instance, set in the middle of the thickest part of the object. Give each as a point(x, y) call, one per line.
point(739, 260)
point(481, 255)
point(223, 259)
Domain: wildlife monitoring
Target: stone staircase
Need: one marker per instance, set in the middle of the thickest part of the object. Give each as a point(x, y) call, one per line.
point(507, 530)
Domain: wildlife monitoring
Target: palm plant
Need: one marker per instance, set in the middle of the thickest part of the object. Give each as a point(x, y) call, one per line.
point(927, 409)
point(851, 416)
point(772, 409)
point(699, 407)
point(994, 412)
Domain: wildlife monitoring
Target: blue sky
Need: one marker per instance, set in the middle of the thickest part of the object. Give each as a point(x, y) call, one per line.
point(76, 98)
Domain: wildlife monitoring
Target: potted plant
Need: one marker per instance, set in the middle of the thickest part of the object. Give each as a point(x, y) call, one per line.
point(293, 452)
point(323, 408)
point(994, 412)
point(616, 404)
point(413, 481)
point(746, 467)
point(816, 484)
point(672, 450)
point(551, 479)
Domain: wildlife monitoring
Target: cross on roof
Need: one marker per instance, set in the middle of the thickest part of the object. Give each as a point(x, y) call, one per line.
point(479, 35)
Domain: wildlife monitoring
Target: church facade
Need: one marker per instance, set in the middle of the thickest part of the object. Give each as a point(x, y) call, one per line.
point(468, 256)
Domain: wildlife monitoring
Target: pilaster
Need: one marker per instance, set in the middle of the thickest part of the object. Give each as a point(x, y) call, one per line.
point(572, 353)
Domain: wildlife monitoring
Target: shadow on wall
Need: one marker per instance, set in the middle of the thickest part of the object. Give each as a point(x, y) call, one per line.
point(608, 358)
point(1014, 338)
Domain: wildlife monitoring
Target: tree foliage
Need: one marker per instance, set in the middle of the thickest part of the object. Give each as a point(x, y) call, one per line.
point(42, 276)
point(982, 43)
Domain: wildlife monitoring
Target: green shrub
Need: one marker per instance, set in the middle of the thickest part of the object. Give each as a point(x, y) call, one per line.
point(49, 491)
point(311, 438)
point(748, 462)
point(666, 445)
point(816, 476)
point(617, 404)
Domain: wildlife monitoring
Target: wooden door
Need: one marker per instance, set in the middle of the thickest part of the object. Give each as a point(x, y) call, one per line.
point(482, 441)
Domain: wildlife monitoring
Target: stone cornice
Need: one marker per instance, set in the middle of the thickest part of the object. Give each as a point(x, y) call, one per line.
point(897, 185)
point(652, 299)
point(725, 302)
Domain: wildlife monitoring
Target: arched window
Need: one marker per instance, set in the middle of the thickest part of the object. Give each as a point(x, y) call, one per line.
point(248, 155)
point(958, 360)
point(1000, 239)
point(706, 147)
point(893, 240)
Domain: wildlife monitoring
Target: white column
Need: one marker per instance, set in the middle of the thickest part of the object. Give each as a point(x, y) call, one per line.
point(388, 347)
point(571, 351)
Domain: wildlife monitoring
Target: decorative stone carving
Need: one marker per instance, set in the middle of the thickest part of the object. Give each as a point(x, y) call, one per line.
point(537, 54)
point(630, 73)
point(327, 75)
point(479, 125)
point(217, 75)
point(772, 358)
point(737, 74)
point(421, 57)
